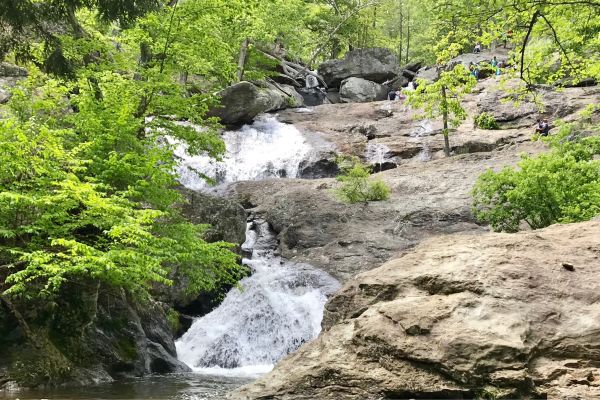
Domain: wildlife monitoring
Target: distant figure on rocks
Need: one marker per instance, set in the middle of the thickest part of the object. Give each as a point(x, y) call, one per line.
point(392, 95)
point(399, 96)
point(477, 48)
point(311, 81)
point(474, 70)
point(494, 62)
point(543, 128)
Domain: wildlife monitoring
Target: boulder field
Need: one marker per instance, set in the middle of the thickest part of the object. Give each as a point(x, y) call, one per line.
point(459, 317)
point(430, 194)
point(455, 311)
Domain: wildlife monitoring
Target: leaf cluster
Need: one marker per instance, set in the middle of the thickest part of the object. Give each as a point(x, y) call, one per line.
point(561, 186)
point(356, 185)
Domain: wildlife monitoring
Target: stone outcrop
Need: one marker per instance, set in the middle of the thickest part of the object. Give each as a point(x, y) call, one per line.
point(460, 316)
point(243, 101)
point(427, 199)
point(9, 76)
point(431, 74)
point(358, 90)
point(430, 194)
point(99, 335)
point(374, 64)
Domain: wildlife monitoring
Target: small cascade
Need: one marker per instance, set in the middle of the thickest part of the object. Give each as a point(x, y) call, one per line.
point(377, 155)
point(272, 313)
point(265, 149)
point(423, 129)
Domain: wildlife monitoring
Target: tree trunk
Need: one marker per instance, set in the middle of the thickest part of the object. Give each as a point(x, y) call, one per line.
point(407, 35)
point(445, 118)
point(20, 320)
point(242, 59)
point(401, 32)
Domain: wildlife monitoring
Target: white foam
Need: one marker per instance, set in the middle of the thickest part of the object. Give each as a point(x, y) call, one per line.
point(273, 312)
point(265, 149)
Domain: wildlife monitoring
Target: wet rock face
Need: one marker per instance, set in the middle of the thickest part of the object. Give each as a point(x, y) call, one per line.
point(131, 340)
point(458, 317)
point(376, 64)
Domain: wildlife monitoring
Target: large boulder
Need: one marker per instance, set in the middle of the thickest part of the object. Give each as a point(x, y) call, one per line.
point(358, 90)
point(10, 70)
point(100, 334)
point(431, 74)
point(243, 101)
point(463, 316)
point(375, 64)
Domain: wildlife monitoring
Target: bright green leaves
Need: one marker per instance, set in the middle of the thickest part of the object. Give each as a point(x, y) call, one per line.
point(561, 186)
point(87, 187)
point(443, 98)
point(356, 185)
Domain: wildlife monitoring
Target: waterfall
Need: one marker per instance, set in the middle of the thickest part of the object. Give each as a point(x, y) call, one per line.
point(265, 149)
point(377, 153)
point(424, 128)
point(272, 313)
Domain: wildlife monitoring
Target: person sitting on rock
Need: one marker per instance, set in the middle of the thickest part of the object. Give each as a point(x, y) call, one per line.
point(543, 128)
point(477, 48)
point(399, 96)
point(474, 70)
point(392, 95)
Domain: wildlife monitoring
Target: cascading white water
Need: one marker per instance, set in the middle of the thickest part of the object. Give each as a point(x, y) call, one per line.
point(277, 308)
point(265, 149)
point(424, 128)
point(377, 153)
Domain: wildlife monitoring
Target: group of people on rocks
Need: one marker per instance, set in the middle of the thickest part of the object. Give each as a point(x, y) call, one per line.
point(497, 65)
point(396, 95)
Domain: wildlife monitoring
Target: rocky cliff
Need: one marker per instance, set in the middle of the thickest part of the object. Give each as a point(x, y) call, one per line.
point(460, 316)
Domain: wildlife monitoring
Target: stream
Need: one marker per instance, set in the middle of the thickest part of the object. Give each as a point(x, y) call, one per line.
point(270, 314)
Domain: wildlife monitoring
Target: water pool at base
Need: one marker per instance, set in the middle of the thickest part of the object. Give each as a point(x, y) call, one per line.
point(189, 386)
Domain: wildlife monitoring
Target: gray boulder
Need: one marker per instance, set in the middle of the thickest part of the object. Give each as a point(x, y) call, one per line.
point(243, 101)
point(376, 64)
point(431, 74)
point(358, 90)
point(10, 70)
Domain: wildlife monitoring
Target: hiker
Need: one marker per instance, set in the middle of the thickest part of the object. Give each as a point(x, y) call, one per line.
point(477, 48)
point(543, 128)
point(494, 62)
point(392, 95)
point(474, 70)
point(399, 96)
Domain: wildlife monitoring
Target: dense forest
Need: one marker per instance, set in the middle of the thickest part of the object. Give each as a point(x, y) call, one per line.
point(89, 202)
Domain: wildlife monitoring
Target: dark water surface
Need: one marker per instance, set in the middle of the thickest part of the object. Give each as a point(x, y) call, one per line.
point(171, 387)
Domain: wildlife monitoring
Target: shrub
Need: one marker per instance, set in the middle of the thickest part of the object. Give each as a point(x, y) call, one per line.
point(486, 121)
point(560, 186)
point(357, 187)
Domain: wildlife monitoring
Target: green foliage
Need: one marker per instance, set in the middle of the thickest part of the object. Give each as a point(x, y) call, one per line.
point(87, 184)
point(173, 320)
point(443, 98)
point(561, 186)
point(356, 186)
point(486, 121)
